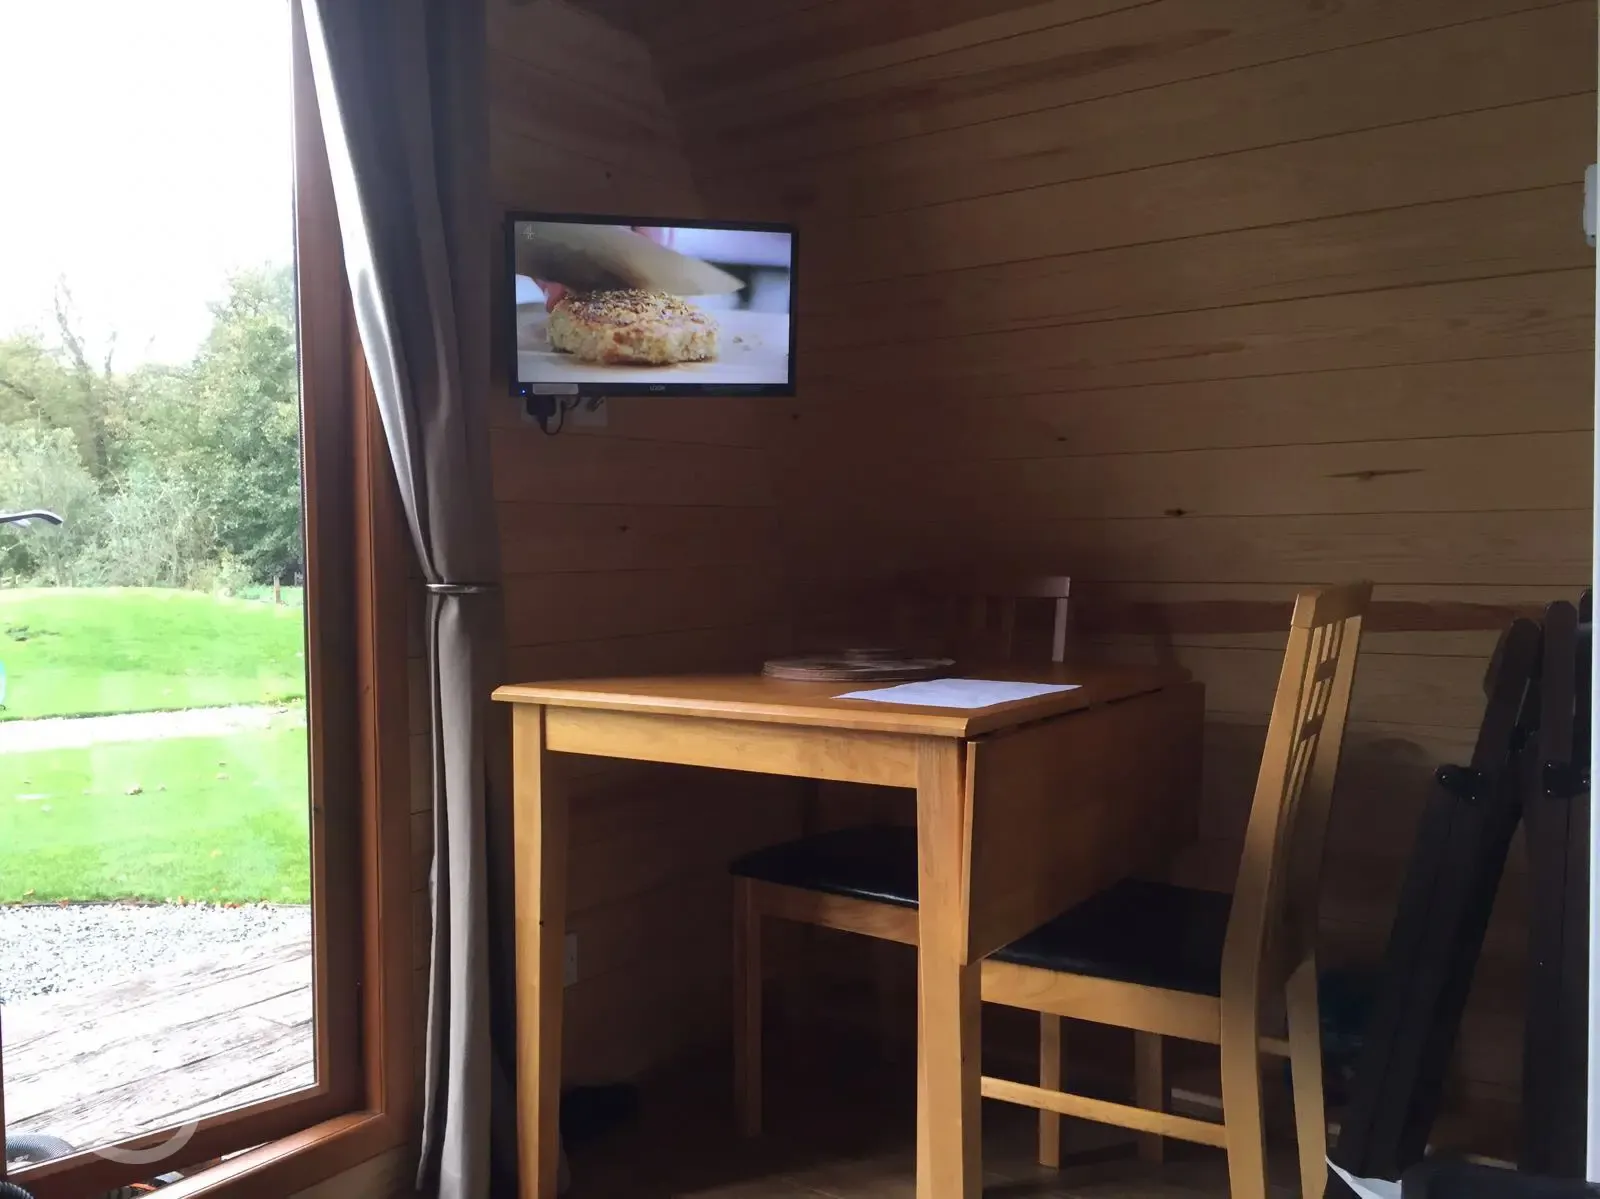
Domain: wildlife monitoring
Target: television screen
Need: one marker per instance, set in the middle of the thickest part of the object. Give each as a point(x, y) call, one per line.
point(610, 306)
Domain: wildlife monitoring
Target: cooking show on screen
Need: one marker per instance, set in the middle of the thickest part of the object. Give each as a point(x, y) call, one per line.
point(627, 304)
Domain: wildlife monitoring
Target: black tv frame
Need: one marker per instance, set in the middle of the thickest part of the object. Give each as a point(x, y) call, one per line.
point(555, 392)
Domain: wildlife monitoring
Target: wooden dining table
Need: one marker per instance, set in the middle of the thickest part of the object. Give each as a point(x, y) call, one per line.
point(1022, 809)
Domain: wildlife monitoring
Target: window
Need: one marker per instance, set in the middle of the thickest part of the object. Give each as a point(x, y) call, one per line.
point(231, 674)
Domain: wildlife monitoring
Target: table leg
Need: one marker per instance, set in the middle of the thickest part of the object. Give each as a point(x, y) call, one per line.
point(540, 814)
point(949, 1162)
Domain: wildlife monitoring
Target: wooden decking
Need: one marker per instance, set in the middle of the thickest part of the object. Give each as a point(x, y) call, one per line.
point(94, 1066)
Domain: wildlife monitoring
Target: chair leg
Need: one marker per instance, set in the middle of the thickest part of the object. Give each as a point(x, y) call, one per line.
point(1305, 1065)
point(1049, 1080)
point(1244, 1126)
point(1150, 1089)
point(746, 1009)
point(891, 1013)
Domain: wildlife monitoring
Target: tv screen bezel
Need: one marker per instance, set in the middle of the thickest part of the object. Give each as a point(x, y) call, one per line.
point(523, 390)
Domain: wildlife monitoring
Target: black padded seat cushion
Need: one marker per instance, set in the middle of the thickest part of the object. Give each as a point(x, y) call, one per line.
point(1137, 932)
point(878, 863)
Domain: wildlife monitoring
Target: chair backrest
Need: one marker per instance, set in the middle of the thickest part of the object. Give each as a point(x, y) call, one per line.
point(1272, 925)
point(972, 608)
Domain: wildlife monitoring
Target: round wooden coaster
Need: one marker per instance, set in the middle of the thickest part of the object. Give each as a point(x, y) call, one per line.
point(856, 665)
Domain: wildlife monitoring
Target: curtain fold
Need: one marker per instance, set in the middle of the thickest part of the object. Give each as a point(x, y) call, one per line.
point(400, 86)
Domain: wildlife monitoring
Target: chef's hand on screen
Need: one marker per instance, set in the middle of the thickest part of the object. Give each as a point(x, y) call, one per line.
point(554, 293)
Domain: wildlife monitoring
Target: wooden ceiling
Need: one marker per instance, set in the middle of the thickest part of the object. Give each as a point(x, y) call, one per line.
point(702, 46)
point(621, 13)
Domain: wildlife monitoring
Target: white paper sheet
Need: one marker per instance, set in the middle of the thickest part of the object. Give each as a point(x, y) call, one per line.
point(958, 693)
point(1368, 1188)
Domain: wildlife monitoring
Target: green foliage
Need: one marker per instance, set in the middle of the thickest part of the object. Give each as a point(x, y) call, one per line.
point(231, 431)
point(40, 468)
point(222, 819)
point(186, 476)
point(70, 652)
point(34, 385)
point(58, 386)
point(156, 530)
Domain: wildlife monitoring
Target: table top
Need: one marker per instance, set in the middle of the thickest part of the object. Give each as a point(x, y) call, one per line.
point(759, 699)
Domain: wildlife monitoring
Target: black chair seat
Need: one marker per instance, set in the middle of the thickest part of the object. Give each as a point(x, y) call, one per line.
point(1137, 932)
point(877, 863)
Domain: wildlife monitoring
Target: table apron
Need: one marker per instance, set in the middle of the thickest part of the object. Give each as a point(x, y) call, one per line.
point(799, 751)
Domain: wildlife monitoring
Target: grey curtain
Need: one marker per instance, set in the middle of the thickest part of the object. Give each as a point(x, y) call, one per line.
point(400, 86)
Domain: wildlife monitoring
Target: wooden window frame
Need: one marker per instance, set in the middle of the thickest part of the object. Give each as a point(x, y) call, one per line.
point(357, 578)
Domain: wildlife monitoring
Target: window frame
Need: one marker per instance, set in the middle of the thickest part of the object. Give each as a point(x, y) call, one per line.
point(357, 579)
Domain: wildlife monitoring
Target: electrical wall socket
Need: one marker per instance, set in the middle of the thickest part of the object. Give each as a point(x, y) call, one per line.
point(570, 968)
point(590, 413)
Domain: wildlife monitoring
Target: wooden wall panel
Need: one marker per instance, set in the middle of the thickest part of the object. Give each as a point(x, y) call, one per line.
point(1022, 58)
point(1542, 393)
point(1434, 74)
point(1190, 299)
point(652, 543)
point(1545, 313)
point(530, 466)
point(389, 1176)
point(1443, 551)
point(1415, 162)
point(1523, 231)
point(1434, 474)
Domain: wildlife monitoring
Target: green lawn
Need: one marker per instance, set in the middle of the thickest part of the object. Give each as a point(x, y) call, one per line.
point(293, 597)
point(214, 818)
point(70, 651)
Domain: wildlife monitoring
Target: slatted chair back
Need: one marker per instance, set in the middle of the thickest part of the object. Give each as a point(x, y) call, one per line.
point(1272, 923)
point(987, 614)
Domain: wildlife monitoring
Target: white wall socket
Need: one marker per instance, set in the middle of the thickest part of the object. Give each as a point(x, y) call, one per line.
point(570, 969)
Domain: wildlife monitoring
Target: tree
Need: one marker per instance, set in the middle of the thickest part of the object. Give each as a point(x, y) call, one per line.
point(229, 425)
point(101, 394)
point(174, 476)
point(61, 386)
point(32, 383)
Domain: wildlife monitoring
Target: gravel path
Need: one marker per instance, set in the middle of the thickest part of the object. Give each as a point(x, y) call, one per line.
point(80, 732)
point(47, 949)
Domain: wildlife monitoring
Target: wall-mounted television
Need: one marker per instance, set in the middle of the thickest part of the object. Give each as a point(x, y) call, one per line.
point(606, 306)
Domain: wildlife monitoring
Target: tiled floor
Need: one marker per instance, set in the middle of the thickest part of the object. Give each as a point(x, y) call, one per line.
point(847, 1132)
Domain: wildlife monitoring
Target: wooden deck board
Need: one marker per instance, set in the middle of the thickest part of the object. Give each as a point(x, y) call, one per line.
point(96, 1065)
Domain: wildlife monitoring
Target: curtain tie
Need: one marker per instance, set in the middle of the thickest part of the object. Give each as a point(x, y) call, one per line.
point(462, 588)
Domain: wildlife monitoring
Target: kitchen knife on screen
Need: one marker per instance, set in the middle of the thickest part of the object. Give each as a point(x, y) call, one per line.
point(609, 258)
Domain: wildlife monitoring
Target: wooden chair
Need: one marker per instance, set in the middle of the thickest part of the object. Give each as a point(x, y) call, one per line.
point(864, 880)
point(970, 614)
point(1171, 961)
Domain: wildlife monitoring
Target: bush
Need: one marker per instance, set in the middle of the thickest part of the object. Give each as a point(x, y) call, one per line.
point(154, 532)
point(41, 468)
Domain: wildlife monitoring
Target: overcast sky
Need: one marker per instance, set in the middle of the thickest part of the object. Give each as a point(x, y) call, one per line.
point(144, 152)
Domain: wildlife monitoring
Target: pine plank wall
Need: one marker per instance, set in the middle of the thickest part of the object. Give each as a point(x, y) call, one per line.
point(648, 545)
point(651, 544)
point(1189, 299)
